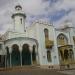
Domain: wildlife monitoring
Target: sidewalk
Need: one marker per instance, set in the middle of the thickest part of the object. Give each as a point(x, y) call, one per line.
point(69, 72)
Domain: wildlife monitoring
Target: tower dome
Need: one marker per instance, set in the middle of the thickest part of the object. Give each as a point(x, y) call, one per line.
point(18, 7)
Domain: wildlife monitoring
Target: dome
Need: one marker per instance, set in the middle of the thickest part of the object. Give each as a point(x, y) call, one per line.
point(66, 24)
point(18, 7)
point(18, 11)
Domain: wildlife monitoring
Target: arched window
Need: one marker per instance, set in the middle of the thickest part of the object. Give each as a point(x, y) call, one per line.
point(21, 20)
point(62, 39)
point(46, 32)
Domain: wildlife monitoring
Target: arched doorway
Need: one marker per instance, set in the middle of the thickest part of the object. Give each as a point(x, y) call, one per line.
point(15, 56)
point(8, 57)
point(26, 55)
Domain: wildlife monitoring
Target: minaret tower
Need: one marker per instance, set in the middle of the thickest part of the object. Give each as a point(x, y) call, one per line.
point(19, 19)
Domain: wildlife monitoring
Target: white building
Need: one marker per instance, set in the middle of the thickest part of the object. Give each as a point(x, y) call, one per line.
point(39, 44)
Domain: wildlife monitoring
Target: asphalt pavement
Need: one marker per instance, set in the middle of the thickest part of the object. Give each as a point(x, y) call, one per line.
point(32, 72)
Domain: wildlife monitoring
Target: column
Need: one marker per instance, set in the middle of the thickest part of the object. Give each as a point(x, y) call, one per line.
point(31, 59)
point(5, 58)
point(10, 60)
point(10, 52)
point(37, 57)
point(30, 48)
point(5, 61)
point(21, 57)
point(20, 49)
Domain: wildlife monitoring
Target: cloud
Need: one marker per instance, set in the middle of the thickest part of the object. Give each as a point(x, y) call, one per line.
point(51, 10)
point(67, 5)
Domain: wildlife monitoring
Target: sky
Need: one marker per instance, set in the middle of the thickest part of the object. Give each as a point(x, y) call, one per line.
point(55, 11)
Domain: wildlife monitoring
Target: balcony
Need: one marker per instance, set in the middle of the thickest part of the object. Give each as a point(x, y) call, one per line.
point(48, 43)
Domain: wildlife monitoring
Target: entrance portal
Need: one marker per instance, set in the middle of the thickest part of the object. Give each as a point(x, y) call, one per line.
point(15, 56)
point(26, 55)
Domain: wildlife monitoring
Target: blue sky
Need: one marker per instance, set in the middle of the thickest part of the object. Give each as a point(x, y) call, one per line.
point(56, 11)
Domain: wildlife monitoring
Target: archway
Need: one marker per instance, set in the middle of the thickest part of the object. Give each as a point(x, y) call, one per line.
point(8, 57)
point(15, 56)
point(26, 55)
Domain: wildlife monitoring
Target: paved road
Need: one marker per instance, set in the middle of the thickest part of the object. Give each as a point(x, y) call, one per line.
point(69, 72)
point(31, 72)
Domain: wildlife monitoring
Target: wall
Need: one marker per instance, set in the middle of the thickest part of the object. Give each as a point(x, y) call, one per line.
point(39, 35)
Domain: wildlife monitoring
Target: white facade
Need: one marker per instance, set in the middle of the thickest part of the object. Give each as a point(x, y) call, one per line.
point(21, 38)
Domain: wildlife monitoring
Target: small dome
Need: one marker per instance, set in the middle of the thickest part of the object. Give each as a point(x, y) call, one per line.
point(18, 7)
point(68, 23)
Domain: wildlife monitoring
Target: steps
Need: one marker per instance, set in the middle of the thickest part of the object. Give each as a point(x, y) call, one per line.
point(19, 68)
